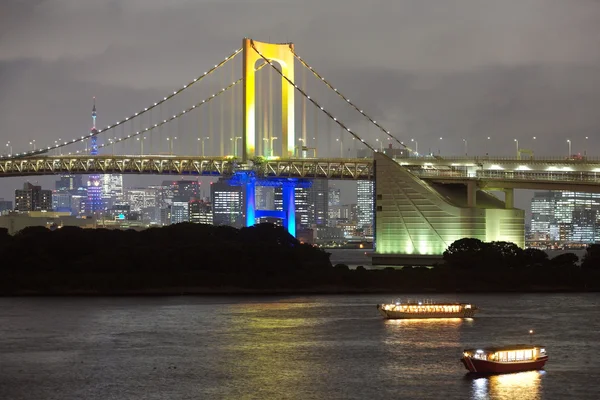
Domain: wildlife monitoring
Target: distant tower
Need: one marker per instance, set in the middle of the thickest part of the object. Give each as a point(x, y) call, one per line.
point(93, 204)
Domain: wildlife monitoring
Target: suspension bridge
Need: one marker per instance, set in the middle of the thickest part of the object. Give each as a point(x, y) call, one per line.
point(224, 124)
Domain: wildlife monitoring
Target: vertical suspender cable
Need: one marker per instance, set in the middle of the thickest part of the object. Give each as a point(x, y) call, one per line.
point(270, 105)
point(222, 106)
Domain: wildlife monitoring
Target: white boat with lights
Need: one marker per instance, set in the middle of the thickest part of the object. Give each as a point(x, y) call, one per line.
point(426, 309)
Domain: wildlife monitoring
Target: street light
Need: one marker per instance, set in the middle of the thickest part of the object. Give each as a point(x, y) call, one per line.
point(416, 146)
point(585, 149)
point(517, 143)
point(466, 147)
point(569, 142)
point(341, 147)
point(32, 144)
point(272, 139)
point(301, 140)
point(440, 145)
point(10, 147)
point(201, 141)
point(380, 144)
point(234, 140)
point(141, 140)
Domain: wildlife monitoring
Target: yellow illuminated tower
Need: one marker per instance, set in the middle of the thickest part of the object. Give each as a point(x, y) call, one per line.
point(283, 55)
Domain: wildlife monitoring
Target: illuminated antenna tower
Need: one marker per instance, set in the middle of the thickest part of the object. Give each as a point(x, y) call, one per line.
point(93, 204)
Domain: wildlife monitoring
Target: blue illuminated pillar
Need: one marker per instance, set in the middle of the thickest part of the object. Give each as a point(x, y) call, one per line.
point(289, 207)
point(250, 200)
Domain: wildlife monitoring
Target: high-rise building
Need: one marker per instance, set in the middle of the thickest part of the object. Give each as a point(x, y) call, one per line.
point(364, 200)
point(69, 183)
point(566, 216)
point(264, 197)
point(304, 209)
point(140, 198)
point(93, 204)
point(318, 198)
point(200, 212)
point(112, 189)
point(180, 210)
point(228, 204)
point(33, 198)
point(61, 201)
point(334, 196)
point(184, 189)
point(542, 212)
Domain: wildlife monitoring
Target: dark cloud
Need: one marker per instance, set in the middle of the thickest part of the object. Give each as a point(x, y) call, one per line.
point(426, 69)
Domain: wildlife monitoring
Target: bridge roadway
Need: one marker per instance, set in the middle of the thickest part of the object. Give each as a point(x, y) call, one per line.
point(489, 173)
point(334, 168)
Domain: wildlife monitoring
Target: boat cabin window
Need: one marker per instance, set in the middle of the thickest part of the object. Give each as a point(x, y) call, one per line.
point(514, 355)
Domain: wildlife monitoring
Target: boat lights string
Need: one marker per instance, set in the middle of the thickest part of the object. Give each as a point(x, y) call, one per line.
point(118, 123)
point(326, 82)
point(334, 119)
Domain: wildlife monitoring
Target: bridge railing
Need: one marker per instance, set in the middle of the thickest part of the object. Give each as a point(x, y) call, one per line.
point(559, 176)
point(575, 158)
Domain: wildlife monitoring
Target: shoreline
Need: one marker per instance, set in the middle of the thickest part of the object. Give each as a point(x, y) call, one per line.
point(170, 292)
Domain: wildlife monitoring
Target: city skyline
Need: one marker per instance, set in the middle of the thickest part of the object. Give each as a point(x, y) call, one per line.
point(501, 74)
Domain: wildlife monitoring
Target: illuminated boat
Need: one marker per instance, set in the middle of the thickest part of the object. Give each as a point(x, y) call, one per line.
point(416, 310)
point(505, 359)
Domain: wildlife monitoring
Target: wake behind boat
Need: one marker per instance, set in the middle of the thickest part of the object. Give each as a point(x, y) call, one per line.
point(417, 310)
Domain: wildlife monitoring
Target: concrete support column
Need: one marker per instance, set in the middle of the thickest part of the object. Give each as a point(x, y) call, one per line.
point(471, 194)
point(509, 198)
point(289, 208)
point(250, 201)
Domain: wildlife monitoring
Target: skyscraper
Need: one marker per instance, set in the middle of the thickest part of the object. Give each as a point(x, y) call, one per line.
point(200, 212)
point(566, 216)
point(542, 213)
point(93, 204)
point(334, 196)
point(69, 183)
point(304, 208)
point(228, 204)
point(33, 198)
point(364, 200)
point(318, 198)
point(112, 189)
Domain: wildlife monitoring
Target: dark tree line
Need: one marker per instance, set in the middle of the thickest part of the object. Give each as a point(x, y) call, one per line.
point(192, 258)
point(469, 253)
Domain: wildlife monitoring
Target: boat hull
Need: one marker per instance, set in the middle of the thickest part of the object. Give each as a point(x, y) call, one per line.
point(406, 315)
point(491, 367)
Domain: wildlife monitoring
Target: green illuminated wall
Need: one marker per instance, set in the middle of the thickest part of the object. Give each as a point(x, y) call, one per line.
point(412, 217)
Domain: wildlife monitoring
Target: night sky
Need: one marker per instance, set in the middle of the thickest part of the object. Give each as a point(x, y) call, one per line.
point(426, 69)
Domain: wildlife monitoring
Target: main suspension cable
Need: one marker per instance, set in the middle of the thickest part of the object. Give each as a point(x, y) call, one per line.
point(326, 82)
point(334, 119)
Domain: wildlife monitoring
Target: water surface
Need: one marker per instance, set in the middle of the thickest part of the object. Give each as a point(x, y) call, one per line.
point(317, 347)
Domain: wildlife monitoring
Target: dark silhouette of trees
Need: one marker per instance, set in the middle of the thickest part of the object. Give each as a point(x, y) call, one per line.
point(566, 260)
point(192, 258)
point(466, 253)
point(534, 257)
point(591, 259)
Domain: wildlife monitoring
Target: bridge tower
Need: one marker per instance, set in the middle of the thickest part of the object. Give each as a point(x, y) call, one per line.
point(281, 53)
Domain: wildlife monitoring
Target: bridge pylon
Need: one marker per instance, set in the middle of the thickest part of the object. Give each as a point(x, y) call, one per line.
point(283, 55)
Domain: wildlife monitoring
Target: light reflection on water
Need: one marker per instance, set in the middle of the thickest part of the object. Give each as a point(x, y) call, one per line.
point(521, 385)
point(312, 347)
